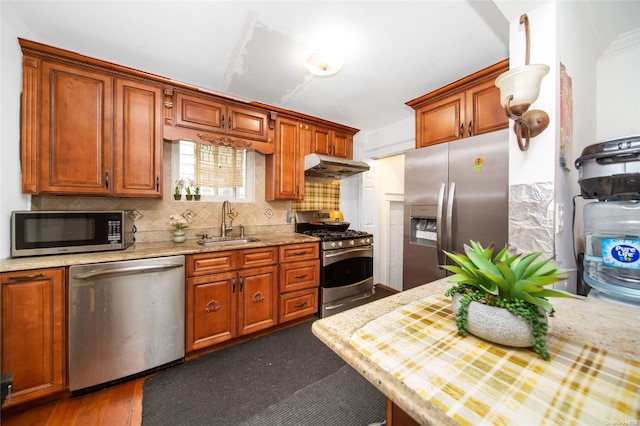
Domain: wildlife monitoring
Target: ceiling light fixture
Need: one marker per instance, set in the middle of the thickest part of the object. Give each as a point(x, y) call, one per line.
point(323, 62)
point(519, 88)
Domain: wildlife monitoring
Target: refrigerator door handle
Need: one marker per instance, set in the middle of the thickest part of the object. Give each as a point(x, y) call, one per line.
point(439, 245)
point(449, 218)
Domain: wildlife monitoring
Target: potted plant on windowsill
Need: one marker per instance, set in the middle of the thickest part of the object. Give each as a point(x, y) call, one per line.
point(487, 285)
point(177, 194)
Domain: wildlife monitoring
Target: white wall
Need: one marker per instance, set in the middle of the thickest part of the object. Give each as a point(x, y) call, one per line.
point(11, 27)
point(577, 51)
point(618, 91)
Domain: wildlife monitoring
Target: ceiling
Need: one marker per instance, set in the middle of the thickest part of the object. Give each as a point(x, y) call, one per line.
point(394, 51)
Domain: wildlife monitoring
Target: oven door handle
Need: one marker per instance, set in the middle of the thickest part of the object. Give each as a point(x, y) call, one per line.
point(347, 251)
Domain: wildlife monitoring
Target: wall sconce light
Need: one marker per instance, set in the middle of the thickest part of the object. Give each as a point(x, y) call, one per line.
point(519, 88)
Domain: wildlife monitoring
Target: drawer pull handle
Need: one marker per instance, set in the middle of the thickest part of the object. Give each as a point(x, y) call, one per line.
point(27, 277)
point(212, 306)
point(300, 253)
point(301, 276)
point(258, 297)
point(300, 305)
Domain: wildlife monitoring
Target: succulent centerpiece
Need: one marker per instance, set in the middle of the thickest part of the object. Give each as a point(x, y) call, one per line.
point(507, 281)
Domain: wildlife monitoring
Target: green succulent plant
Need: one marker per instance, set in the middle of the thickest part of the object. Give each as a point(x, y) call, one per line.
point(508, 280)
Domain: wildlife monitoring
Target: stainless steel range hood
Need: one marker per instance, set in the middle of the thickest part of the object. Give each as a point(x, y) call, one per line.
point(323, 166)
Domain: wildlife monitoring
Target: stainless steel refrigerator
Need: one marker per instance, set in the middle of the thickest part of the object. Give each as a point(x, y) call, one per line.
point(454, 192)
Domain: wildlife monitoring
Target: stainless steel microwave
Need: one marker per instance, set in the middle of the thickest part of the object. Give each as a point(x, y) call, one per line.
point(35, 233)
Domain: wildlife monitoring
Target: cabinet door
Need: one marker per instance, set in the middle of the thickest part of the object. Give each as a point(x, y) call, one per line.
point(298, 252)
point(321, 143)
point(342, 145)
point(199, 113)
point(285, 167)
point(253, 258)
point(299, 275)
point(76, 131)
point(305, 136)
point(33, 348)
point(484, 113)
point(211, 310)
point(138, 140)
point(258, 304)
point(211, 263)
point(440, 121)
point(247, 123)
point(298, 304)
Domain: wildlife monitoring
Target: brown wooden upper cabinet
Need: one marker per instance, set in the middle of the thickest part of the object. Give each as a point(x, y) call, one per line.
point(88, 132)
point(284, 169)
point(211, 115)
point(336, 143)
point(468, 107)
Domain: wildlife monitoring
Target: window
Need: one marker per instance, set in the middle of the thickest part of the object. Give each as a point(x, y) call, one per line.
point(222, 173)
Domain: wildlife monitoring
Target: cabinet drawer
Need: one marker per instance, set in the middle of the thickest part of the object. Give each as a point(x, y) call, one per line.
point(296, 252)
point(298, 304)
point(299, 275)
point(211, 263)
point(251, 258)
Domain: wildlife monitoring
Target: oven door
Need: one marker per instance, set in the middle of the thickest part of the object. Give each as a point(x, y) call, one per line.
point(346, 279)
point(345, 267)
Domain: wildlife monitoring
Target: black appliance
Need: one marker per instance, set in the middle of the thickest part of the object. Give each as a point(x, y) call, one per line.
point(35, 233)
point(346, 260)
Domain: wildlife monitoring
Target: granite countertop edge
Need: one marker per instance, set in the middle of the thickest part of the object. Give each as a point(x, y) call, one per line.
point(146, 251)
point(598, 323)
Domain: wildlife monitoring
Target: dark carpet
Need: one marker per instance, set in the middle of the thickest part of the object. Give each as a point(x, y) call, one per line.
point(287, 377)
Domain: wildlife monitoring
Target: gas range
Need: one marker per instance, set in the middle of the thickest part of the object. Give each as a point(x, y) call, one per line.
point(346, 260)
point(329, 226)
point(332, 240)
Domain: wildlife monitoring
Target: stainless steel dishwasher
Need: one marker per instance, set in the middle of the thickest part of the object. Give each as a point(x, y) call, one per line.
point(124, 318)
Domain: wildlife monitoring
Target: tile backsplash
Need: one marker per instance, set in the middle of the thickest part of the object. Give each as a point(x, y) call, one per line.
point(153, 222)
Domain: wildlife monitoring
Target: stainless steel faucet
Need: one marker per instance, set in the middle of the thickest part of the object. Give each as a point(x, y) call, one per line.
point(226, 209)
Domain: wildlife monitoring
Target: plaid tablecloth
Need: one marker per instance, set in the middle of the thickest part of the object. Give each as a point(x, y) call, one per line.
point(475, 382)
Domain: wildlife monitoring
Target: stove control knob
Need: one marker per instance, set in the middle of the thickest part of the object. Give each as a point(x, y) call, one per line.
point(367, 240)
point(339, 243)
point(333, 244)
point(351, 242)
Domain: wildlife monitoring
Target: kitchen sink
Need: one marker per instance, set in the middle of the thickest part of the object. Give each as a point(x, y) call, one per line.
point(221, 241)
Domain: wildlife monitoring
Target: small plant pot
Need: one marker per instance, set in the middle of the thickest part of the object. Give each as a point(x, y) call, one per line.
point(496, 325)
point(177, 197)
point(179, 236)
point(189, 197)
point(197, 197)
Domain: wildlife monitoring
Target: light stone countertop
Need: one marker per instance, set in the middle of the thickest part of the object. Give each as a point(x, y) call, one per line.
point(605, 325)
point(147, 250)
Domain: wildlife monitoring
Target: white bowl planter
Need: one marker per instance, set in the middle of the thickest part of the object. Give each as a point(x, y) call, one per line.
point(496, 325)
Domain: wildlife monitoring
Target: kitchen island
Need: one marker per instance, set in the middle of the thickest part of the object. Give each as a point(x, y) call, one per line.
point(376, 340)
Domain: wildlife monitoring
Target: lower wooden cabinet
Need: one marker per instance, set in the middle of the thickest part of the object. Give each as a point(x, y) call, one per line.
point(226, 303)
point(33, 333)
point(299, 280)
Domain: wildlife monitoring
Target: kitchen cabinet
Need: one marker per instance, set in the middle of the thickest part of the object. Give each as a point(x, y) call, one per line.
point(332, 142)
point(229, 294)
point(33, 332)
point(86, 131)
point(299, 280)
point(138, 139)
point(284, 169)
point(218, 116)
point(468, 107)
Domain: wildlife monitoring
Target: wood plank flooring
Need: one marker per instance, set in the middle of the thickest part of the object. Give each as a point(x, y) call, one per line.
point(119, 405)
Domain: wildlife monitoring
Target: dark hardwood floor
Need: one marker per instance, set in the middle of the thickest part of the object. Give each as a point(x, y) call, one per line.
point(119, 405)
